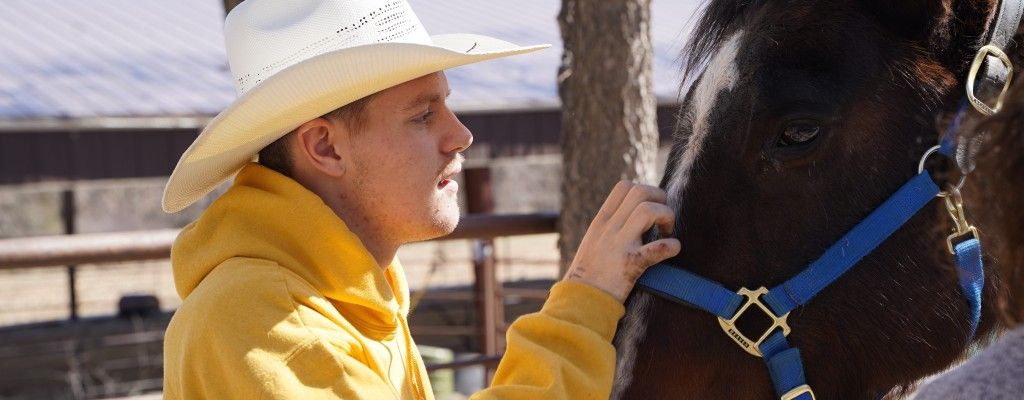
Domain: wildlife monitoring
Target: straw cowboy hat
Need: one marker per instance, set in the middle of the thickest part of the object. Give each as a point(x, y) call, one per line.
point(296, 60)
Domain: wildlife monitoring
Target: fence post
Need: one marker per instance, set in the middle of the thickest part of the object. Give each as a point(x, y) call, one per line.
point(490, 307)
point(67, 212)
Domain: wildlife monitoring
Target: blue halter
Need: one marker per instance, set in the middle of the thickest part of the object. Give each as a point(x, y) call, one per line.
point(784, 364)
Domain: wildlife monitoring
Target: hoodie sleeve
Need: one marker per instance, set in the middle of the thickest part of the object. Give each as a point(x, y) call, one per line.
point(562, 352)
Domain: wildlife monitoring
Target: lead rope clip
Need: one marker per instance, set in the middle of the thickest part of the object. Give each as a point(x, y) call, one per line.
point(963, 229)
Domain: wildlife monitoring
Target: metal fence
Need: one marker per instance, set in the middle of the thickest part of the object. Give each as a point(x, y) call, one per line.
point(60, 351)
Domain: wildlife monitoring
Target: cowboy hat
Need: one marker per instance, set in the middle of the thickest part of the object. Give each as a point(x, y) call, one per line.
point(296, 60)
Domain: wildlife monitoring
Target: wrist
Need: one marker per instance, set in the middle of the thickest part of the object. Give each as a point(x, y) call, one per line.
point(619, 294)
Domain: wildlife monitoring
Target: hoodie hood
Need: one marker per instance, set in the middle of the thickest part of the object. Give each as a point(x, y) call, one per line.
point(269, 216)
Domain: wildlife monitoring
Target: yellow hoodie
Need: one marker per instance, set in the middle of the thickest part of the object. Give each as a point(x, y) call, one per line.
point(281, 300)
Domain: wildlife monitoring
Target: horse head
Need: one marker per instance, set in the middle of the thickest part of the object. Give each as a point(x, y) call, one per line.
point(803, 117)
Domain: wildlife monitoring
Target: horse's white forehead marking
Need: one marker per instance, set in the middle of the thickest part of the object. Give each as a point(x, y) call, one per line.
point(721, 74)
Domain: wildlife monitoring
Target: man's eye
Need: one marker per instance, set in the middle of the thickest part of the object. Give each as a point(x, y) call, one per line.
point(425, 117)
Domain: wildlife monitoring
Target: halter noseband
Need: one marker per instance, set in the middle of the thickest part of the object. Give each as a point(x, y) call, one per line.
point(784, 364)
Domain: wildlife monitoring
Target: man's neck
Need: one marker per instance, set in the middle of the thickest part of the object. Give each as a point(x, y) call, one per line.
point(380, 249)
point(380, 246)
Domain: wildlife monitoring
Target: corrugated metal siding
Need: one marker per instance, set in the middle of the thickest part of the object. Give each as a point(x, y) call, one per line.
point(86, 58)
point(104, 58)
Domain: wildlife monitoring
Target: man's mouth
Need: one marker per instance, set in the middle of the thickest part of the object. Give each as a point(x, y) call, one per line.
point(446, 177)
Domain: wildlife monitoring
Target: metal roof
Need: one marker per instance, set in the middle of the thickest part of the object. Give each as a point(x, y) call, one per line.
point(97, 59)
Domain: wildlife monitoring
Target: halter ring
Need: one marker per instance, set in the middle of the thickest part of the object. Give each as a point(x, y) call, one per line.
point(920, 169)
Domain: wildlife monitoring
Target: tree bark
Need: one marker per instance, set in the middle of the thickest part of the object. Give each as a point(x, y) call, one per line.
point(229, 4)
point(609, 126)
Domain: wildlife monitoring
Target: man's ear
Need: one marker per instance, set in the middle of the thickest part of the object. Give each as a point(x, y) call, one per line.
point(318, 144)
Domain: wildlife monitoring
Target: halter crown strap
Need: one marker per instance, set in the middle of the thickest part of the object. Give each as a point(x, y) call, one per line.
point(1005, 26)
point(1007, 21)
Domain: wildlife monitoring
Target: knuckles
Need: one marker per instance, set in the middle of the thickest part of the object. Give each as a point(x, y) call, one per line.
point(653, 209)
point(623, 185)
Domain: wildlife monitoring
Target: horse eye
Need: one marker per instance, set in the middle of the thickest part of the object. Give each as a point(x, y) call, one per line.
point(799, 133)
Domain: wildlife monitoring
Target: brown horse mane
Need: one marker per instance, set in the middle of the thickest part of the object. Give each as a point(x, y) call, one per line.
point(1001, 163)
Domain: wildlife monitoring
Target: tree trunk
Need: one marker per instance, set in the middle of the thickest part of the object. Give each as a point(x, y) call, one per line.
point(609, 127)
point(229, 4)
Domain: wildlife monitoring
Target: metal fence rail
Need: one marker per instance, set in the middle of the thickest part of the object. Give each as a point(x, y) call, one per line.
point(94, 248)
point(77, 249)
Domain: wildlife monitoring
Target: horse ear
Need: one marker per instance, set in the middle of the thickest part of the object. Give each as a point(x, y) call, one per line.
point(924, 19)
point(913, 19)
point(951, 28)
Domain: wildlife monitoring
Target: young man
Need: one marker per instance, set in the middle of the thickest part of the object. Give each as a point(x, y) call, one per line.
point(290, 283)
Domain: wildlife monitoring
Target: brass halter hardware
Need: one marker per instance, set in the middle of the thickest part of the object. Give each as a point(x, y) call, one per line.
point(753, 298)
point(963, 228)
point(797, 392)
point(979, 59)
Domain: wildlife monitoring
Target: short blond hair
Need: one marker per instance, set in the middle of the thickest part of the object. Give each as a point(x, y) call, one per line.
point(277, 155)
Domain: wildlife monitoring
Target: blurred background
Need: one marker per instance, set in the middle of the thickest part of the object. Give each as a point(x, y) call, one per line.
point(99, 98)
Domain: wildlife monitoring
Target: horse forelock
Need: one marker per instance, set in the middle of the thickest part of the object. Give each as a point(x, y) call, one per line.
point(721, 75)
point(717, 17)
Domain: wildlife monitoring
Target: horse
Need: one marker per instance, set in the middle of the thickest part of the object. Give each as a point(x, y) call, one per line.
point(803, 118)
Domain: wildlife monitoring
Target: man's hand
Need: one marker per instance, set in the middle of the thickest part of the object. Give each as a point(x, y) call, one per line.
point(612, 256)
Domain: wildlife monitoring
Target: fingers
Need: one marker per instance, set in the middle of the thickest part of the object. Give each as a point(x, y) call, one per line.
point(649, 214)
point(612, 255)
point(613, 201)
point(660, 250)
point(637, 194)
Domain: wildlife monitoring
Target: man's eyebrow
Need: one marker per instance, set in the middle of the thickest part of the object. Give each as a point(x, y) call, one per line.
point(426, 98)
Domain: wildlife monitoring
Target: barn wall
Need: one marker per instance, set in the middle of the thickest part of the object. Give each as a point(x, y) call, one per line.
point(87, 155)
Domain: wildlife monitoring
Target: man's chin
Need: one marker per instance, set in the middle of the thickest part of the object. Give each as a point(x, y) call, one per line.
point(441, 225)
point(447, 222)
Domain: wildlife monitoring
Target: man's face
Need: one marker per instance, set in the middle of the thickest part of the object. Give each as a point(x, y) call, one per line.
point(402, 159)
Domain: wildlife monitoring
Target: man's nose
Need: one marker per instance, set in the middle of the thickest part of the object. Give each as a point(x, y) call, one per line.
point(458, 137)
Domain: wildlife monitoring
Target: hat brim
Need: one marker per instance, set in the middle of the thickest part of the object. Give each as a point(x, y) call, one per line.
point(307, 90)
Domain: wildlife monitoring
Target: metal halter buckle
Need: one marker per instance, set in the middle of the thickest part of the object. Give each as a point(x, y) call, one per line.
point(979, 60)
point(797, 392)
point(753, 298)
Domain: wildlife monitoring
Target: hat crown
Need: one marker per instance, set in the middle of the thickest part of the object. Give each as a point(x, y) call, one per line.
point(263, 37)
